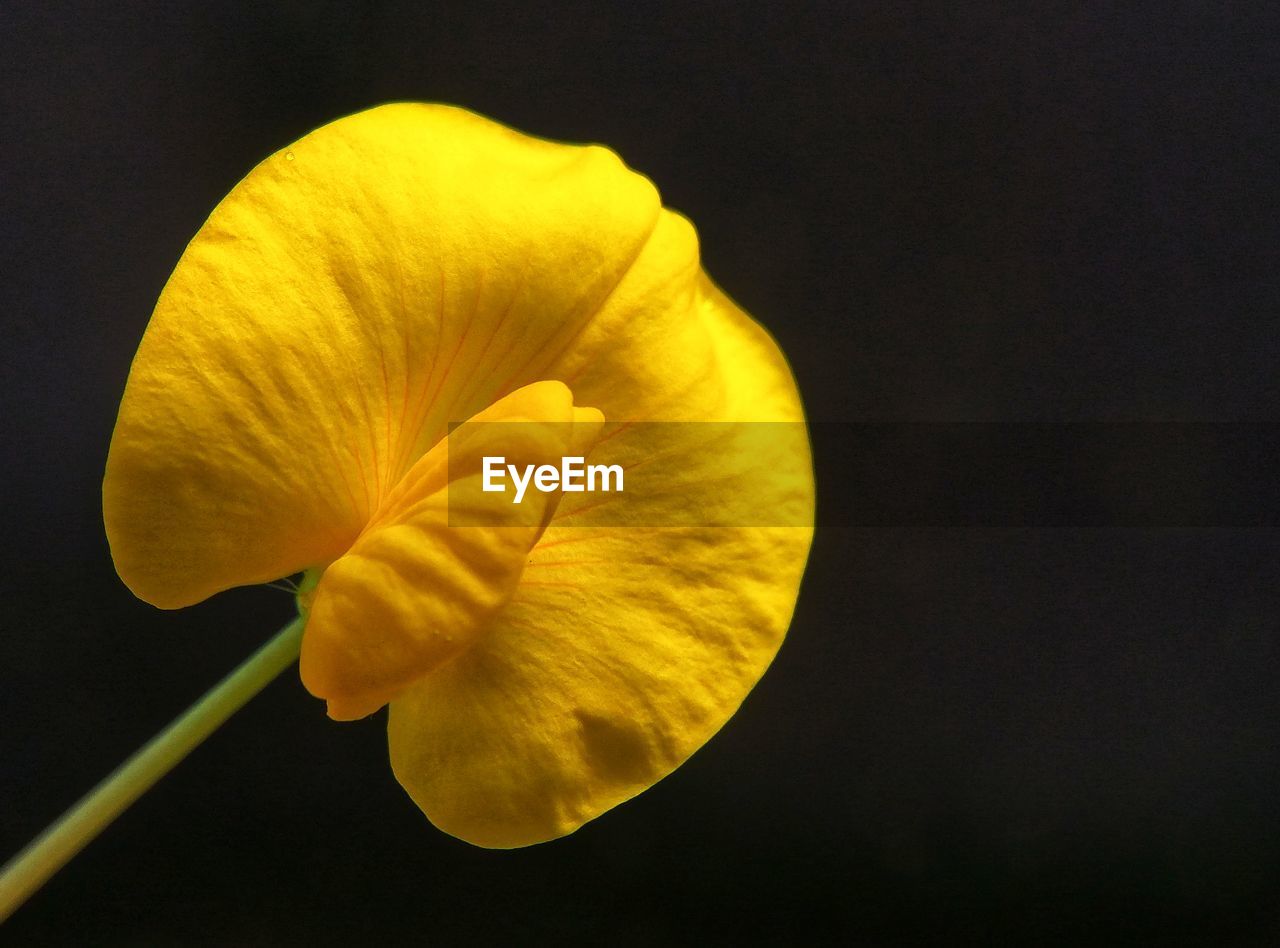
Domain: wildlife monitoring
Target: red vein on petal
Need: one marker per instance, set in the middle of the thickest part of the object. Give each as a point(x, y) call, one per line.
point(589, 316)
point(386, 411)
point(342, 472)
point(621, 427)
point(364, 483)
point(562, 542)
point(406, 372)
point(370, 433)
point(468, 391)
point(561, 514)
point(471, 321)
point(572, 378)
point(444, 376)
point(548, 563)
point(420, 405)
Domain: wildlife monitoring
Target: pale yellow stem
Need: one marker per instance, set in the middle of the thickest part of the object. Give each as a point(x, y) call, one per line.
point(53, 848)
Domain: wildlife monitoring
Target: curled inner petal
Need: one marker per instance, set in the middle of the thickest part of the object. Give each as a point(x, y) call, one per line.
point(413, 591)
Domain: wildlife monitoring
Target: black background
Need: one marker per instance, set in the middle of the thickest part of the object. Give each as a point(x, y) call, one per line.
point(943, 212)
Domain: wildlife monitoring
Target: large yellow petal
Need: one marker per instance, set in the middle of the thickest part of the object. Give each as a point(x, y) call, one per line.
point(389, 273)
point(624, 648)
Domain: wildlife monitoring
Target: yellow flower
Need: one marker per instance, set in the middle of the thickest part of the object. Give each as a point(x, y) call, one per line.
point(289, 410)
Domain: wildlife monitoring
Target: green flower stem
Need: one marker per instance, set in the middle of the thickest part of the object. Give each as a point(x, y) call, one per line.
point(53, 848)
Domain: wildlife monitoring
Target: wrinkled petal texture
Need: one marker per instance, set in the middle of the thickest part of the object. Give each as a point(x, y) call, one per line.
point(417, 265)
point(414, 591)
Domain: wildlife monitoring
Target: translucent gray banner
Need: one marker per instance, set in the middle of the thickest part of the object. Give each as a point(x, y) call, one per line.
point(649, 474)
point(908, 475)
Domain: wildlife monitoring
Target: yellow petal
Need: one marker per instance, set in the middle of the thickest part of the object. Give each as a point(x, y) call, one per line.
point(388, 274)
point(623, 649)
point(601, 676)
point(414, 592)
